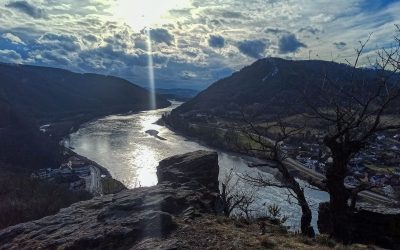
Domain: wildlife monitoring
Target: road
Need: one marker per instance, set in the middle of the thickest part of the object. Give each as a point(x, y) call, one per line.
point(368, 195)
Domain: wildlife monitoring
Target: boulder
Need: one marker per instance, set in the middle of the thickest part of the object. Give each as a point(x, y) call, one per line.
point(127, 218)
point(191, 168)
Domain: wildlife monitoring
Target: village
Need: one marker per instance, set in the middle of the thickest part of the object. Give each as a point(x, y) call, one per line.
point(75, 173)
point(378, 165)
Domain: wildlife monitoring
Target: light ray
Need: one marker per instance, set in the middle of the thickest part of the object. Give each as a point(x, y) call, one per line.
point(150, 67)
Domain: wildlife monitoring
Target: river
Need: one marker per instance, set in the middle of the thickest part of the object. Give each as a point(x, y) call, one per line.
point(120, 144)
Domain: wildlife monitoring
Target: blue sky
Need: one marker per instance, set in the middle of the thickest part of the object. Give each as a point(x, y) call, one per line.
point(194, 42)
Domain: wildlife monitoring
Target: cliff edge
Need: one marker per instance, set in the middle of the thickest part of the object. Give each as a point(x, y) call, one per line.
point(188, 185)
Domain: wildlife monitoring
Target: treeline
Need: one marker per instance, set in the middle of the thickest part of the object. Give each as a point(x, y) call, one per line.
point(24, 148)
point(22, 145)
point(24, 199)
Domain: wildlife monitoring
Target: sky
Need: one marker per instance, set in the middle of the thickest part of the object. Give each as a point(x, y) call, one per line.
point(194, 42)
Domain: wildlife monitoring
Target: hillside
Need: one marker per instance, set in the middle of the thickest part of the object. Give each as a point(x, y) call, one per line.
point(49, 93)
point(270, 85)
point(22, 145)
point(31, 96)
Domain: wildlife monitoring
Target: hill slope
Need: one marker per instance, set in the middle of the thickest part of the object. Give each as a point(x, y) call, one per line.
point(56, 93)
point(268, 85)
point(31, 96)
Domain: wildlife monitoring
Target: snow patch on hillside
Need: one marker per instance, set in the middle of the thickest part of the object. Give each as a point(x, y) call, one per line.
point(271, 74)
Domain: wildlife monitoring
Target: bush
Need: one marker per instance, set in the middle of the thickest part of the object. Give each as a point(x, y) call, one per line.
point(325, 240)
point(275, 216)
point(111, 186)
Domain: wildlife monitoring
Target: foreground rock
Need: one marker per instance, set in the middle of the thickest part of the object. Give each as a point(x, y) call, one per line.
point(188, 186)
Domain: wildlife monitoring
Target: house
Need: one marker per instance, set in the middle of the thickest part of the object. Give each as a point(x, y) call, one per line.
point(82, 171)
point(78, 184)
point(380, 137)
point(65, 171)
point(44, 173)
point(378, 180)
point(75, 162)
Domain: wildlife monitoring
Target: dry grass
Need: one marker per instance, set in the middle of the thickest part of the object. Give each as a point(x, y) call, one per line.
point(211, 232)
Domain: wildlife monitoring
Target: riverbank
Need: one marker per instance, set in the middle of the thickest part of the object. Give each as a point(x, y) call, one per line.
point(228, 141)
point(207, 136)
point(100, 181)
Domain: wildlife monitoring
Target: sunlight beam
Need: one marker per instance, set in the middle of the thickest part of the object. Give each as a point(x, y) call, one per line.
point(150, 67)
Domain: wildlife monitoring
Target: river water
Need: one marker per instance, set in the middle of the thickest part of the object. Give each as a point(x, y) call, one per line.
point(120, 144)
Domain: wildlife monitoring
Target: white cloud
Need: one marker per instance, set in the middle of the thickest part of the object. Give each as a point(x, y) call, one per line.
point(10, 56)
point(12, 38)
point(85, 35)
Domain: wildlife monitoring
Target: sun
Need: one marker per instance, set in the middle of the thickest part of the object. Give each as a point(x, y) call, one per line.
point(145, 13)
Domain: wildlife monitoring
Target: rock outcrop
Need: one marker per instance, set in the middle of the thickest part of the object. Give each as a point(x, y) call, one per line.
point(188, 186)
point(188, 169)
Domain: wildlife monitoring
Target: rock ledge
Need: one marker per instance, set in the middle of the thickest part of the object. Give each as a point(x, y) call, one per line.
point(188, 186)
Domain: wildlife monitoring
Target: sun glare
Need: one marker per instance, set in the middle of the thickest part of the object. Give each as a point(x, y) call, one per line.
point(140, 14)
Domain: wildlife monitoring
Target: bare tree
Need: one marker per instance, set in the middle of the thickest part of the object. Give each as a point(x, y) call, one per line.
point(232, 198)
point(271, 149)
point(350, 113)
point(246, 206)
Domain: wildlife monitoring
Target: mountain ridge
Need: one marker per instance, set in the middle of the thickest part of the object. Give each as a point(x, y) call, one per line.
point(270, 83)
point(53, 93)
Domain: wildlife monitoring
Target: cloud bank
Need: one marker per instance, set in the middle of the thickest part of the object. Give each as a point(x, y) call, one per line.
point(194, 44)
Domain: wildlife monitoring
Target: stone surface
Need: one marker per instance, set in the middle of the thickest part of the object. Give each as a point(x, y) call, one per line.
point(187, 186)
point(191, 169)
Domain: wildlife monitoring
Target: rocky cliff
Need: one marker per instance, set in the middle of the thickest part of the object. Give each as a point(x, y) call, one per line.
point(188, 186)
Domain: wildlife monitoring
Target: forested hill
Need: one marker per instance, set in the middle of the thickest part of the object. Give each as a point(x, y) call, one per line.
point(269, 85)
point(31, 96)
point(56, 93)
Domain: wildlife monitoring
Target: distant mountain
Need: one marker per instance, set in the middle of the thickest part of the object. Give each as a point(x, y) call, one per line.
point(177, 94)
point(56, 93)
point(269, 85)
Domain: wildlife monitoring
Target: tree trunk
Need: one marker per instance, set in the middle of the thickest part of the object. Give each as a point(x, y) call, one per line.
point(339, 196)
point(306, 216)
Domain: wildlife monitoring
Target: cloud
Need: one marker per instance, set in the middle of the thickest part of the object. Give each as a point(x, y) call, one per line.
point(222, 13)
point(289, 43)
point(161, 35)
point(12, 38)
point(85, 36)
point(252, 48)
point(340, 45)
point(62, 41)
point(216, 41)
point(274, 30)
point(55, 57)
point(187, 75)
point(140, 43)
point(310, 29)
point(28, 9)
point(232, 14)
point(10, 56)
point(91, 38)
